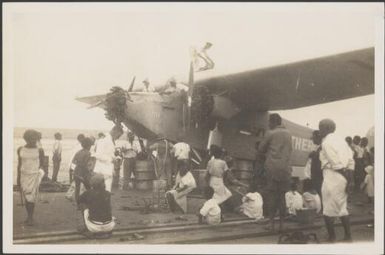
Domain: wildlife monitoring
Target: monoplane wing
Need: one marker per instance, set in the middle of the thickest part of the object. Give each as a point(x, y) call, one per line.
point(93, 101)
point(299, 84)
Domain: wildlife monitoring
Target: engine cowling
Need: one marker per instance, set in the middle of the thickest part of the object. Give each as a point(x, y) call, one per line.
point(224, 108)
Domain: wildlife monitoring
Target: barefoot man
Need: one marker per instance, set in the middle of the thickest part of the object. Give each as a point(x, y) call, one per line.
point(337, 165)
point(277, 147)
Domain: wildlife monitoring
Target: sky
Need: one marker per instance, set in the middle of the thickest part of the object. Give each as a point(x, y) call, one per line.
point(59, 51)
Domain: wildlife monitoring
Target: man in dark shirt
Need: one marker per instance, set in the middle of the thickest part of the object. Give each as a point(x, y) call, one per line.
point(82, 172)
point(277, 148)
point(96, 203)
point(316, 171)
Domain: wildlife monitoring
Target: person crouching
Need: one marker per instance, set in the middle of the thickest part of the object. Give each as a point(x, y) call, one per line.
point(311, 198)
point(184, 184)
point(96, 205)
point(293, 199)
point(252, 205)
point(210, 213)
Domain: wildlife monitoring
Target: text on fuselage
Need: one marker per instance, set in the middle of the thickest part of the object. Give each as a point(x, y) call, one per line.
point(302, 144)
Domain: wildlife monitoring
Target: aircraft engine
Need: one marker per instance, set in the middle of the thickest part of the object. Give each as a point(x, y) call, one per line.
point(206, 107)
point(224, 108)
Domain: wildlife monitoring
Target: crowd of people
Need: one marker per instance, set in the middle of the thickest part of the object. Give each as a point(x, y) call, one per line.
point(334, 168)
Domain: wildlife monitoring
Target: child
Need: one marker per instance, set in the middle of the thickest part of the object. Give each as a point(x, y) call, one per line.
point(184, 184)
point(311, 199)
point(252, 205)
point(210, 213)
point(368, 183)
point(29, 172)
point(117, 165)
point(81, 163)
point(293, 199)
point(96, 205)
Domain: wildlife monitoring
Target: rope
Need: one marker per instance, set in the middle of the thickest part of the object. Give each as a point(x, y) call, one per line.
point(165, 155)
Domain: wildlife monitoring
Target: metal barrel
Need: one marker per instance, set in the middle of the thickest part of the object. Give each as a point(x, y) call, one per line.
point(244, 171)
point(244, 165)
point(241, 174)
point(159, 185)
point(144, 175)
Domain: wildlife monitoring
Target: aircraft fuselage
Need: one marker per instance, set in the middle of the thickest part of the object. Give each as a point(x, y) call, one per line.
point(151, 116)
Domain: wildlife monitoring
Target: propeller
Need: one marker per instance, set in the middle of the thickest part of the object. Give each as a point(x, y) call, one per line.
point(100, 102)
point(132, 84)
point(96, 104)
point(130, 89)
point(189, 93)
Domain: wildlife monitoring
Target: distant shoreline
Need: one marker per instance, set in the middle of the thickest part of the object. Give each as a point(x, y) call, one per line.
point(67, 133)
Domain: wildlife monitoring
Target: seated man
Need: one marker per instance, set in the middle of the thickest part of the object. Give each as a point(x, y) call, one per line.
point(311, 199)
point(210, 212)
point(96, 203)
point(293, 199)
point(252, 205)
point(184, 184)
point(181, 152)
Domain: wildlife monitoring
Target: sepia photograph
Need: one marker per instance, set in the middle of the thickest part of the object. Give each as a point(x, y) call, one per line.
point(200, 128)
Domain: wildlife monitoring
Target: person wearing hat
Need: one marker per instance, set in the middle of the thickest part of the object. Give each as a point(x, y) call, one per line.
point(130, 150)
point(147, 86)
point(105, 155)
point(96, 206)
point(337, 165)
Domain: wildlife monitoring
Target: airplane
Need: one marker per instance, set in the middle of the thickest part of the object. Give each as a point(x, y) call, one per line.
point(237, 105)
